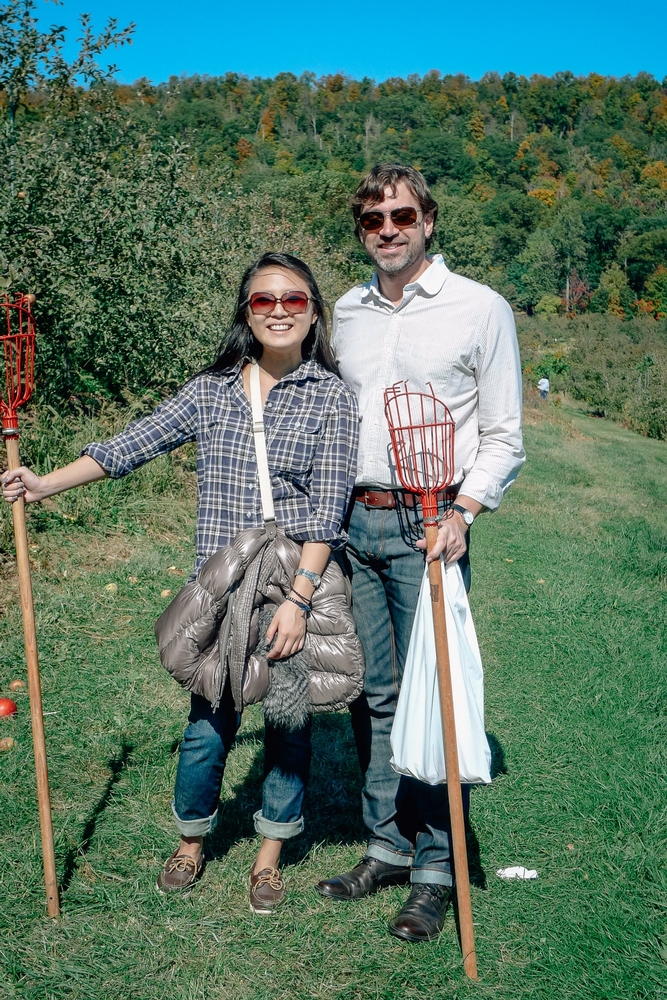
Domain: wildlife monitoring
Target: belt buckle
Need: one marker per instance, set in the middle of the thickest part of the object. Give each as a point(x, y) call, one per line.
point(364, 497)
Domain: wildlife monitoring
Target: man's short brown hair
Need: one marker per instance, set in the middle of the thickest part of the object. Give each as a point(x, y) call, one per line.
point(389, 175)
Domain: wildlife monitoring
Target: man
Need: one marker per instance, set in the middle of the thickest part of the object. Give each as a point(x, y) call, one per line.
point(415, 320)
point(543, 386)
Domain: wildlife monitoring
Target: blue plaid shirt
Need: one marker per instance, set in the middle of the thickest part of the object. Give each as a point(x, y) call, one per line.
point(312, 427)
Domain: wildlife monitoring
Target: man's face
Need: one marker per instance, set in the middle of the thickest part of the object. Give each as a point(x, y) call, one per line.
point(394, 250)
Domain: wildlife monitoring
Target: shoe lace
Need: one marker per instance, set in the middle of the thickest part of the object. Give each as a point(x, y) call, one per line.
point(438, 892)
point(182, 863)
point(270, 877)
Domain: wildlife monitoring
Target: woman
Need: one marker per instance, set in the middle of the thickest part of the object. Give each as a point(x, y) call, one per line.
point(312, 427)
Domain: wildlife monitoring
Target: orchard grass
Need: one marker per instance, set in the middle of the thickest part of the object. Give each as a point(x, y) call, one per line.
point(569, 594)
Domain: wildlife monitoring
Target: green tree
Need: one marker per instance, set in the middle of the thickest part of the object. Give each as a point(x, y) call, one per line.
point(613, 294)
point(441, 155)
point(656, 290)
point(32, 59)
point(463, 239)
point(568, 235)
point(536, 270)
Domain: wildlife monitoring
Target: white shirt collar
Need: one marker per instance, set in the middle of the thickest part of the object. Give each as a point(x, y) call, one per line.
point(429, 283)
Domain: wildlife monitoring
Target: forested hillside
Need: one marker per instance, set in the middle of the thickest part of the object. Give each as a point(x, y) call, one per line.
point(132, 210)
point(550, 186)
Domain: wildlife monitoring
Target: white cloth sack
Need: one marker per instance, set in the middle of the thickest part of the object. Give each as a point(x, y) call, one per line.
point(416, 736)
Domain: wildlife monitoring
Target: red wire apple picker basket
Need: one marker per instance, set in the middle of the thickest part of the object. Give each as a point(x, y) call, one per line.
point(17, 333)
point(422, 436)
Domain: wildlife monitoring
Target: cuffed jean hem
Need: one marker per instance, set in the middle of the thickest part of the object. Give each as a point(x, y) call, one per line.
point(389, 857)
point(194, 827)
point(277, 831)
point(431, 876)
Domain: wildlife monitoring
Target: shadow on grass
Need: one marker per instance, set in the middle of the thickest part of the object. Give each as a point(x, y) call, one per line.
point(475, 870)
point(498, 765)
point(75, 853)
point(333, 802)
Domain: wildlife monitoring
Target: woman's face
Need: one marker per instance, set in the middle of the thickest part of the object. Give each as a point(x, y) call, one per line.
point(278, 331)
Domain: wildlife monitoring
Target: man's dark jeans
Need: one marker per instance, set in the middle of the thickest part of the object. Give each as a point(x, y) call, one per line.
point(408, 820)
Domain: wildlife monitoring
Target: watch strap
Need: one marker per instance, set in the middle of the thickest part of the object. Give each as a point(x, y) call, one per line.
point(313, 578)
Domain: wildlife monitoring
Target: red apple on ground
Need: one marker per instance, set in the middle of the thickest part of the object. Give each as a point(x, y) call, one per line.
point(7, 706)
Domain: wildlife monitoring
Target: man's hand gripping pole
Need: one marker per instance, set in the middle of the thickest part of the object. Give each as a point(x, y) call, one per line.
point(422, 437)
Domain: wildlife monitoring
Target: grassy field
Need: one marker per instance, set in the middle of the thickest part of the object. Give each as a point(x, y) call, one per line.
point(569, 593)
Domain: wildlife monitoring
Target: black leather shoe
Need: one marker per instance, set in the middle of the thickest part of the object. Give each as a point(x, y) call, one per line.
point(423, 914)
point(364, 879)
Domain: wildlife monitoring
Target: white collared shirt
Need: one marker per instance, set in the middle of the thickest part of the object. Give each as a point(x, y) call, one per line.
point(459, 336)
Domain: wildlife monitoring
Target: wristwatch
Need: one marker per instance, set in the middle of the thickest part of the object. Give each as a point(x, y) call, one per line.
point(313, 578)
point(466, 514)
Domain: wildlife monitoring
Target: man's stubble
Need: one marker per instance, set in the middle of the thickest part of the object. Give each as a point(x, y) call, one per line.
point(414, 253)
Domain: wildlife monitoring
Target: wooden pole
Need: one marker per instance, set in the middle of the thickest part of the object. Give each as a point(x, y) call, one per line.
point(34, 688)
point(451, 759)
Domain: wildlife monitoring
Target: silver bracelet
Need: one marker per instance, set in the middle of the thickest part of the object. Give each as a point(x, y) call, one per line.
point(313, 578)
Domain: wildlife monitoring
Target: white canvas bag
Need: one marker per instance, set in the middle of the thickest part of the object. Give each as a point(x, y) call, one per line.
point(416, 736)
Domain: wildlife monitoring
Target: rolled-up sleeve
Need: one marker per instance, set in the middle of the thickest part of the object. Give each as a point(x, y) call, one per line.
point(172, 423)
point(334, 472)
point(500, 454)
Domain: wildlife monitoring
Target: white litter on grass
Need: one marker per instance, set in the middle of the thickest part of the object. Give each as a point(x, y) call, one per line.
point(518, 871)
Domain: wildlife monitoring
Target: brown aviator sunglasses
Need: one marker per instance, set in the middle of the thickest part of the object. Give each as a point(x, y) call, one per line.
point(402, 218)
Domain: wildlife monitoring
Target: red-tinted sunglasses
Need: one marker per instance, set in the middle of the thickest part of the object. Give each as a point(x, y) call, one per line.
point(402, 218)
point(263, 303)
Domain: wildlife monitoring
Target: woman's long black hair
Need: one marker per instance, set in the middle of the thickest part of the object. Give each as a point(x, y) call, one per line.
point(240, 343)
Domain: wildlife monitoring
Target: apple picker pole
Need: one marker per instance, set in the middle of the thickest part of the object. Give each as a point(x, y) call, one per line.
point(422, 436)
point(17, 334)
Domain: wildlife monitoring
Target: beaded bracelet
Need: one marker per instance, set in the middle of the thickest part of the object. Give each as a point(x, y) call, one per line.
point(304, 607)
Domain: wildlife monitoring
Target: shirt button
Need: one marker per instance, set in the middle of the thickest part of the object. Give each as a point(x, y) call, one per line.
point(251, 487)
point(248, 515)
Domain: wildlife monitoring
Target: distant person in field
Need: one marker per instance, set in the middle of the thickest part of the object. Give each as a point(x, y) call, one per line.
point(312, 425)
point(419, 321)
point(543, 386)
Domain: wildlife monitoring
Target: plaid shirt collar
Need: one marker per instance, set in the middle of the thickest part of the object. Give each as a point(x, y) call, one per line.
point(307, 369)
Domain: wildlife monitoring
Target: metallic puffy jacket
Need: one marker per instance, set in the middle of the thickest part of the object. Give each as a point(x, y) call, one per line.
point(209, 631)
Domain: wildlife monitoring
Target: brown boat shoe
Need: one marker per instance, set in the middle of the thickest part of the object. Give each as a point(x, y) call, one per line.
point(267, 891)
point(180, 873)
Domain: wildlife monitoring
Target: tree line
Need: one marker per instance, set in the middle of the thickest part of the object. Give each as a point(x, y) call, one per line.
point(132, 210)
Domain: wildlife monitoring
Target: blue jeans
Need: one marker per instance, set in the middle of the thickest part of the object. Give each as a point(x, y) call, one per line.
point(206, 744)
point(408, 820)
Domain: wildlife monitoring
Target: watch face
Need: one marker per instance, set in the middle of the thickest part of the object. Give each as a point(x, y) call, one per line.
point(467, 515)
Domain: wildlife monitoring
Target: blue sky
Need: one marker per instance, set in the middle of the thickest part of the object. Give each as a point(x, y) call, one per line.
point(379, 40)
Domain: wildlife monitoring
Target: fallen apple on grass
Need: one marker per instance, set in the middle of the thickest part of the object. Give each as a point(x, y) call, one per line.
point(16, 685)
point(7, 743)
point(7, 706)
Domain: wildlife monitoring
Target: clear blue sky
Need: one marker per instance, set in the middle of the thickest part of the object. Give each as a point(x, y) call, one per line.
point(379, 40)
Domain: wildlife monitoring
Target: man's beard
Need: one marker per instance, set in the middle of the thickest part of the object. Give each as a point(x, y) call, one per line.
point(414, 252)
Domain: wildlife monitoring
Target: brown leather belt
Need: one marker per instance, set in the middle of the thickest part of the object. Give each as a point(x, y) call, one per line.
point(387, 501)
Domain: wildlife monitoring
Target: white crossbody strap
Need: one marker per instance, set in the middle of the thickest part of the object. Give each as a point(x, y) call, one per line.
point(268, 512)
